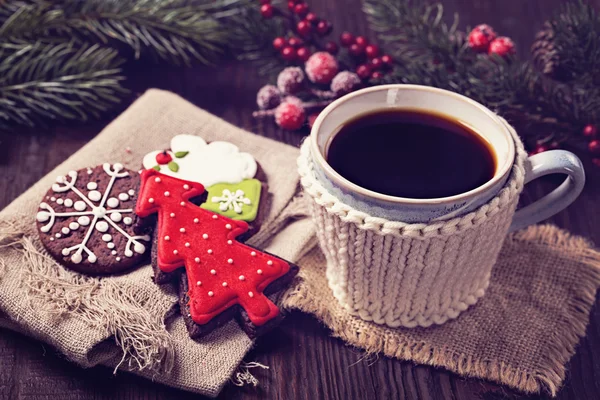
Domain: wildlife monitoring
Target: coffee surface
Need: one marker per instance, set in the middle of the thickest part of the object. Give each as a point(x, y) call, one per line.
point(411, 154)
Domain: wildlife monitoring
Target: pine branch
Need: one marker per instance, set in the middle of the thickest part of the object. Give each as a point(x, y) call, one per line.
point(576, 30)
point(57, 81)
point(254, 41)
point(430, 52)
point(173, 30)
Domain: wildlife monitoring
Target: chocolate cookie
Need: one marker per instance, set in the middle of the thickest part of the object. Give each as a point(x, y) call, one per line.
point(86, 220)
point(197, 331)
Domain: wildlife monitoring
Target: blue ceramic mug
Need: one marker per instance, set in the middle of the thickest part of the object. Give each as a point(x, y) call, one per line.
point(491, 128)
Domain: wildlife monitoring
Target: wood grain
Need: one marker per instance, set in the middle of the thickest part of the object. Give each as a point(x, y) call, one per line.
point(305, 361)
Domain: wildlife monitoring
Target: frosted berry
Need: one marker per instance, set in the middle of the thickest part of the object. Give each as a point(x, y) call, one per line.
point(371, 51)
point(163, 158)
point(303, 28)
point(278, 43)
point(363, 71)
point(301, 9)
point(293, 100)
point(594, 146)
point(321, 67)
point(502, 46)
point(376, 75)
point(303, 53)
point(266, 10)
point(590, 131)
point(290, 116)
point(480, 37)
point(346, 39)
point(312, 18)
point(323, 28)
point(291, 5)
point(345, 82)
point(356, 49)
point(332, 47)
point(295, 42)
point(268, 97)
point(361, 41)
point(288, 53)
point(291, 80)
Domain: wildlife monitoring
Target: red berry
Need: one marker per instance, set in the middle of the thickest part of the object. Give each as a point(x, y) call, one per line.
point(387, 60)
point(540, 148)
point(590, 131)
point(596, 162)
point(303, 54)
point(361, 41)
point(376, 75)
point(291, 4)
point(376, 63)
point(303, 28)
point(363, 71)
point(301, 9)
point(594, 146)
point(278, 43)
point(323, 28)
point(265, 1)
point(312, 118)
point(346, 39)
point(356, 49)
point(480, 37)
point(295, 42)
point(331, 47)
point(372, 51)
point(311, 17)
point(163, 158)
point(502, 46)
point(288, 53)
point(266, 10)
point(290, 116)
point(321, 67)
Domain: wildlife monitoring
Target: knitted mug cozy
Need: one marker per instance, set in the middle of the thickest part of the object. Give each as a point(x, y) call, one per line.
point(401, 274)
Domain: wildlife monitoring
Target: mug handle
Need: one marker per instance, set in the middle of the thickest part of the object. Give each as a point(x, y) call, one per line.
point(551, 162)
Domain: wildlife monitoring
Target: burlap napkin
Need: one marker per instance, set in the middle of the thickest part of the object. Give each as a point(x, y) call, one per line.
point(127, 320)
point(521, 333)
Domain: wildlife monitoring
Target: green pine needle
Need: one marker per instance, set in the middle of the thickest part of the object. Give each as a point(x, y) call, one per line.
point(57, 81)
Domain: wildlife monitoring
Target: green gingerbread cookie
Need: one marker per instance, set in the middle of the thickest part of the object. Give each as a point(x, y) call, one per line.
point(237, 201)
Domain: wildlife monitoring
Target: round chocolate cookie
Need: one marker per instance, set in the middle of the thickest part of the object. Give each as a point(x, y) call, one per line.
point(86, 220)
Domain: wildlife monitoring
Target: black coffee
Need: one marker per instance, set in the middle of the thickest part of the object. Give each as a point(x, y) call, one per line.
point(413, 154)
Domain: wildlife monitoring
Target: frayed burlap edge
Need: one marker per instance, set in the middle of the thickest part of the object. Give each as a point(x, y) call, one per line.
point(126, 315)
point(562, 342)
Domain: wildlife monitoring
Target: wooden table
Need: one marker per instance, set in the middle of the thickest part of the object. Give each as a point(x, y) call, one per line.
point(305, 361)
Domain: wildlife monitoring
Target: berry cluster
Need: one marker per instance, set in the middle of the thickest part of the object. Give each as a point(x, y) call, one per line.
point(483, 39)
point(590, 132)
point(289, 111)
point(315, 72)
point(306, 31)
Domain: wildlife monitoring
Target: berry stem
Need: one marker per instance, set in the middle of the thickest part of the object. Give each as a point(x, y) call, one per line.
point(311, 105)
point(322, 94)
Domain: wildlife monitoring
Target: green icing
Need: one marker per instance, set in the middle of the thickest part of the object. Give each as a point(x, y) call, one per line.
point(247, 203)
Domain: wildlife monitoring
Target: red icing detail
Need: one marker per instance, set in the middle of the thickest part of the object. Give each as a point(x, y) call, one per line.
point(173, 253)
point(163, 158)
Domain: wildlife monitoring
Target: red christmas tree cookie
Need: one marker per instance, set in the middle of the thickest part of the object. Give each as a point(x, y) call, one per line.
point(221, 271)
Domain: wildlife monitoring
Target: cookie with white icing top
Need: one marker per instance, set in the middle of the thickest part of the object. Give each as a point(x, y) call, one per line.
point(86, 220)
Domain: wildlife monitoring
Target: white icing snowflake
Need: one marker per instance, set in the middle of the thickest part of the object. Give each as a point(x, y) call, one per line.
point(229, 200)
point(92, 216)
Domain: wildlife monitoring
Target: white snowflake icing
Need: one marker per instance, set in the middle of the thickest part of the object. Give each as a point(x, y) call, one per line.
point(231, 200)
point(91, 216)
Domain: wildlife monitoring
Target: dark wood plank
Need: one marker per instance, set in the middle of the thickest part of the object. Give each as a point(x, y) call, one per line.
point(305, 361)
